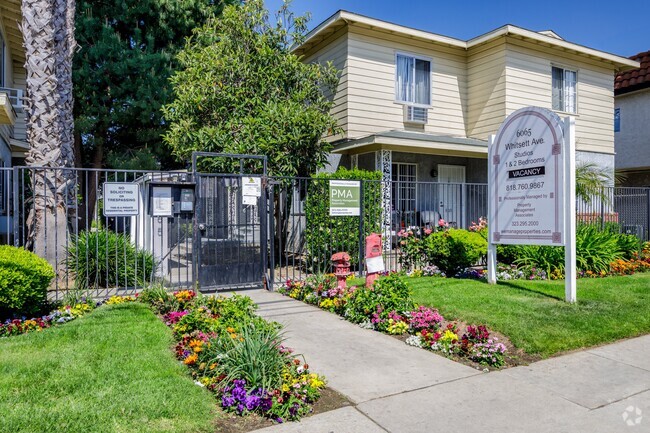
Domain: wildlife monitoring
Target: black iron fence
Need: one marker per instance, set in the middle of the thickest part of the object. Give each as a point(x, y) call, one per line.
point(116, 231)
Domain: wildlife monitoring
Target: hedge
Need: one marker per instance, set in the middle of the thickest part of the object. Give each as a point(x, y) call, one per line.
point(327, 235)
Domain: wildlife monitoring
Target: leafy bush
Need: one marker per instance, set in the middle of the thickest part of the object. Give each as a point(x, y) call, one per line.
point(454, 250)
point(628, 245)
point(339, 233)
point(388, 295)
point(104, 258)
point(24, 279)
point(596, 249)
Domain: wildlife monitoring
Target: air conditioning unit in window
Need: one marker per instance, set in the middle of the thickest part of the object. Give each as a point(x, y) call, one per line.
point(416, 115)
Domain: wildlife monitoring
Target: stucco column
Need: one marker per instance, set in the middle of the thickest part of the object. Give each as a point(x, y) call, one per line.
point(384, 163)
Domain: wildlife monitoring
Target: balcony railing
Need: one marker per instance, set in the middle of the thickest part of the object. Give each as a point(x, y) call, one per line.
point(15, 96)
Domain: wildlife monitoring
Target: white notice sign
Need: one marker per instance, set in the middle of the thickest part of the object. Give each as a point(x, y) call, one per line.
point(252, 186)
point(251, 190)
point(526, 179)
point(375, 264)
point(121, 199)
point(162, 201)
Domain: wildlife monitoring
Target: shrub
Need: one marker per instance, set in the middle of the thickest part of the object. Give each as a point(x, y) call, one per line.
point(628, 245)
point(595, 250)
point(388, 296)
point(339, 233)
point(24, 279)
point(454, 250)
point(104, 258)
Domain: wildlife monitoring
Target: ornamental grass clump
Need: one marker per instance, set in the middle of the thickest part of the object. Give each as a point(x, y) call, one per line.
point(103, 258)
point(237, 355)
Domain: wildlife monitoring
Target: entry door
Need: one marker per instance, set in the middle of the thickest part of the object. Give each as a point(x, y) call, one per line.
point(451, 194)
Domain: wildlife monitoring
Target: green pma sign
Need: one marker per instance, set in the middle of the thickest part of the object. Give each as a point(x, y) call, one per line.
point(345, 198)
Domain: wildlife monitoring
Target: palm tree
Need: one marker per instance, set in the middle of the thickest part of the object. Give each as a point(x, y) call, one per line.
point(592, 181)
point(48, 37)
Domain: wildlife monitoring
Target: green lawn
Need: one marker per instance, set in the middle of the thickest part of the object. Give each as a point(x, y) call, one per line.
point(535, 317)
point(110, 371)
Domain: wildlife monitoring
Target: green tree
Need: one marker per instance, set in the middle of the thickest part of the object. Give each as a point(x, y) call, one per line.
point(592, 181)
point(121, 73)
point(241, 90)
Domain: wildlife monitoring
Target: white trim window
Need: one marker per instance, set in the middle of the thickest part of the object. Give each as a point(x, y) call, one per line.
point(413, 86)
point(564, 89)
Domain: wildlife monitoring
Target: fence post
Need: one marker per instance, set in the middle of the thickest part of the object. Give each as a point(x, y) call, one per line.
point(647, 215)
point(361, 237)
point(602, 208)
point(15, 207)
point(271, 229)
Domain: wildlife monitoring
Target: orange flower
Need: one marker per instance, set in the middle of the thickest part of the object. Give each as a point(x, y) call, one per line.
point(191, 360)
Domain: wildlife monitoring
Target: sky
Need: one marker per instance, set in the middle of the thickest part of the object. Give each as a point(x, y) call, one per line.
point(610, 26)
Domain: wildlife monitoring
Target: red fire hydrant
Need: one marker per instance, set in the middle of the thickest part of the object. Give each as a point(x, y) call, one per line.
point(374, 260)
point(341, 263)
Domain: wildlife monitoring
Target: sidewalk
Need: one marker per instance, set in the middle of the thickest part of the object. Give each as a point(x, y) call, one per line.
point(401, 389)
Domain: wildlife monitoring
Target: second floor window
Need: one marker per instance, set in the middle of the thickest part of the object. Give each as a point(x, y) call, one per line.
point(564, 90)
point(413, 83)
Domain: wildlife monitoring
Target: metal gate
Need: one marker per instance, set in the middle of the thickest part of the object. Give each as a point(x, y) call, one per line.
point(231, 229)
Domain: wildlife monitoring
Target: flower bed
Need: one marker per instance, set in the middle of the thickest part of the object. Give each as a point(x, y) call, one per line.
point(387, 307)
point(237, 355)
point(59, 316)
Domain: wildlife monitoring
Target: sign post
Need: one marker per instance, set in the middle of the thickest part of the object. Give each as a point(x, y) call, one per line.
point(530, 160)
point(570, 271)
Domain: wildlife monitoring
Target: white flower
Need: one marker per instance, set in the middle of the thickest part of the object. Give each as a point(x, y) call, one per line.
point(414, 340)
point(196, 382)
point(300, 369)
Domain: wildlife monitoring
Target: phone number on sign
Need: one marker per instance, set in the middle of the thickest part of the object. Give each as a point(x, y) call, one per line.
point(525, 223)
point(524, 186)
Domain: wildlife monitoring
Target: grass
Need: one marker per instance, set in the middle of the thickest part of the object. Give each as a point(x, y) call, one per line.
point(110, 371)
point(535, 317)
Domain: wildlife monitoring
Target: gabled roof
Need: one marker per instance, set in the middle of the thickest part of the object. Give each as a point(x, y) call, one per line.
point(635, 79)
point(342, 18)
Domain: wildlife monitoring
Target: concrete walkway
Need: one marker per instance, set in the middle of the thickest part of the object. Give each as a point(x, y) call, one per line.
point(401, 389)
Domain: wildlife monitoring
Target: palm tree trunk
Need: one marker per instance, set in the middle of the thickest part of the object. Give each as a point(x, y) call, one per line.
point(48, 36)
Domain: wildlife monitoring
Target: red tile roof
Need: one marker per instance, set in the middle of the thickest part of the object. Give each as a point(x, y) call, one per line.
point(636, 78)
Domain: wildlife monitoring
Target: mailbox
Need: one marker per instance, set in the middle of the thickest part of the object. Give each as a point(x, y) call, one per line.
point(341, 264)
point(170, 199)
point(374, 259)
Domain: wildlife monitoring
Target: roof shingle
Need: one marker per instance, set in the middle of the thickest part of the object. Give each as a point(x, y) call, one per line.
point(634, 79)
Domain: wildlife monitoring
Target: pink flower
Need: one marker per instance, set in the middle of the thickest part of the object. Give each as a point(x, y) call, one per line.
point(442, 223)
point(427, 231)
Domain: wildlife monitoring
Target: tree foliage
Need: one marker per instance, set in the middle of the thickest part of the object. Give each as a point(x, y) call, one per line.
point(591, 181)
point(241, 90)
point(121, 72)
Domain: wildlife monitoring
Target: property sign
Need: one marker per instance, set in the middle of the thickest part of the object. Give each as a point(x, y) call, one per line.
point(345, 198)
point(251, 190)
point(121, 199)
point(526, 177)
